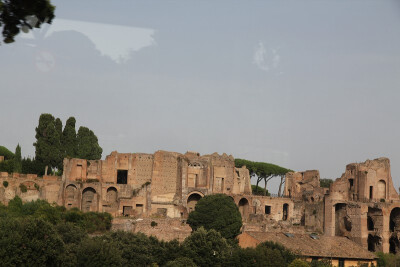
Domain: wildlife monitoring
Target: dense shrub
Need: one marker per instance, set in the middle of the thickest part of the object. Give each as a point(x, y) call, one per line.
point(6, 153)
point(217, 212)
point(5, 184)
point(23, 188)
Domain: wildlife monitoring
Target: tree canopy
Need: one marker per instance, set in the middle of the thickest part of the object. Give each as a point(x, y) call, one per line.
point(217, 212)
point(53, 143)
point(263, 171)
point(325, 182)
point(6, 153)
point(87, 144)
point(23, 15)
point(17, 160)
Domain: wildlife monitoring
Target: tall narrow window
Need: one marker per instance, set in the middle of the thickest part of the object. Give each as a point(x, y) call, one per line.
point(371, 191)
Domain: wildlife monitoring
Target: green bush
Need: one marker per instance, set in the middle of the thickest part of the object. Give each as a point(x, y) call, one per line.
point(153, 224)
point(217, 212)
point(5, 184)
point(37, 187)
point(6, 153)
point(23, 188)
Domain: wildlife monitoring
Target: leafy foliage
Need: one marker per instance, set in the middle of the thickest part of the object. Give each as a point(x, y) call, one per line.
point(53, 144)
point(38, 234)
point(388, 259)
point(5, 184)
point(88, 144)
point(299, 263)
point(325, 182)
point(257, 190)
point(206, 248)
point(6, 153)
point(69, 141)
point(17, 160)
point(17, 15)
point(217, 212)
point(263, 171)
point(48, 142)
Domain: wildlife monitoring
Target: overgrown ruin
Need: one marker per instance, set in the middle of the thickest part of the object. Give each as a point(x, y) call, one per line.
point(362, 205)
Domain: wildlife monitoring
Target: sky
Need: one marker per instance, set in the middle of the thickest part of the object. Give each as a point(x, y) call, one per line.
point(302, 84)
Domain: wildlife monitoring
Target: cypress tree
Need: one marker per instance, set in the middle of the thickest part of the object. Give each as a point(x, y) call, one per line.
point(48, 148)
point(88, 144)
point(17, 160)
point(68, 141)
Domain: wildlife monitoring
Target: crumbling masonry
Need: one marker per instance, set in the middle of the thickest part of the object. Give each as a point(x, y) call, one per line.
point(361, 205)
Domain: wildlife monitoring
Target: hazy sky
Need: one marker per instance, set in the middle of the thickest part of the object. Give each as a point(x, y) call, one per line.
point(302, 84)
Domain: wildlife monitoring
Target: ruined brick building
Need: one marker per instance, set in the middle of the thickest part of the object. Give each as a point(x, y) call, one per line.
point(362, 205)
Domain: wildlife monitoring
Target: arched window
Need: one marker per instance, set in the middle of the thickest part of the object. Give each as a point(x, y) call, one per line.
point(192, 201)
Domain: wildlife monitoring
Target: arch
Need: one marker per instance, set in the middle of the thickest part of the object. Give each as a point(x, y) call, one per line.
point(89, 199)
point(112, 195)
point(192, 200)
point(394, 244)
point(394, 222)
point(285, 213)
point(244, 207)
point(374, 243)
point(342, 221)
point(381, 190)
point(70, 191)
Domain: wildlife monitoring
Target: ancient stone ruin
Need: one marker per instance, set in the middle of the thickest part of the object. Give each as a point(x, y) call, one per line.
point(362, 205)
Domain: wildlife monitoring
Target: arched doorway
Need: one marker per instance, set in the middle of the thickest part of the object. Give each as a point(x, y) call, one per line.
point(394, 223)
point(342, 220)
point(381, 190)
point(285, 214)
point(71, 196)
point(394, 227)
point(244, 207)
point(112, 197)
point(89, 199)
point(192, 201)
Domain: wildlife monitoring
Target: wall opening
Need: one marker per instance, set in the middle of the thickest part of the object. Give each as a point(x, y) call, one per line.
point(244, 207)
point(351, 182)
point(370, 223)
point(381, 191)
point(394, 223)
point(394, 245)
point(89, 199)
point(122, 176)
point(285, 215)
point(371, 192)
point(127, 210)
point(192, 201)
point(374, 243)
point(267, 209)
point(342, 220)
point(112, 198)
point(139, 209)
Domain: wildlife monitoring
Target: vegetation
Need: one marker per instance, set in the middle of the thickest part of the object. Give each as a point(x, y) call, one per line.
point(6, 153)
point(264, 171)
point(23, 15)
point(388, 259)
point(53, 144)
point(17, 160)
point(257, 190)
point(39, 234)
point(325, 182)
point(217, 212)
point(5, 184)
point(23, 188)
point(88, 144)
